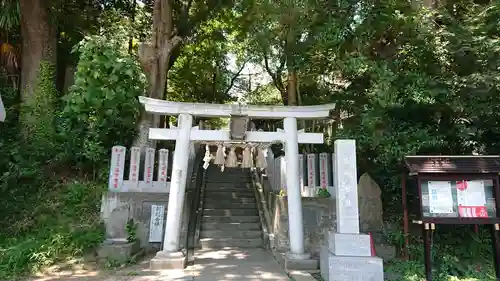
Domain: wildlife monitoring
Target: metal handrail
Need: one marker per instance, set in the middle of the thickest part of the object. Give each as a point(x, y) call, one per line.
point(265, 218)
point(195, 197)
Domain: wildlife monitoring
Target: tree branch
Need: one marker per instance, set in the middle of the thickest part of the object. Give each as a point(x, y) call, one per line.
point(233, 79)
point(275, 77)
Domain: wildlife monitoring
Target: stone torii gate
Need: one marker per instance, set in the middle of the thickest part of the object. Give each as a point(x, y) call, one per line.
point(171, 256)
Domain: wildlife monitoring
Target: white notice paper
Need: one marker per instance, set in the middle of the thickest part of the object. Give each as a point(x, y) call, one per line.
point(440, 198)
point(472, 195)
point(156, 223)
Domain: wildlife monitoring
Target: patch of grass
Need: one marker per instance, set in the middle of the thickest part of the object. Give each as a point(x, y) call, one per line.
point(458, 254)
point(62, 225)
point(413, 270)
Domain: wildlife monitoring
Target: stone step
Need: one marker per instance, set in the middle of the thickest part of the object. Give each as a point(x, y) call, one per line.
point(218, 199)
point(217, 243)
point(229, 195)
point(230, 234)
point(229, 189)
point(225, 175)
point(229, 205)
point(220, 217)
point(228, 184)
point(228, 172)
point(237, 180)
point(234, 183)
point(230, 212)
point(230, 226)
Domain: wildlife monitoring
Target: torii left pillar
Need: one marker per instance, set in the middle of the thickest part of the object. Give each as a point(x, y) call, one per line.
point(170, 256)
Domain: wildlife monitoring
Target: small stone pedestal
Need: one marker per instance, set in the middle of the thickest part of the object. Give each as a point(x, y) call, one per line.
point(347, 257)
point(166, 260)
point(117, 250)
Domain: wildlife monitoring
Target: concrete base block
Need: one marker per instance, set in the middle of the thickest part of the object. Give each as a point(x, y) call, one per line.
point(345, 268)
point(164, 260)
point(300, 262)
point(117, 250)
point(353, 245)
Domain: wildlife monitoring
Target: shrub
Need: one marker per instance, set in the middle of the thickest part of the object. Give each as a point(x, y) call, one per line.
point(101, 109)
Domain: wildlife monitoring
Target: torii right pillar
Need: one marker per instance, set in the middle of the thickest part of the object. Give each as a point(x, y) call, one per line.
point(297, 258)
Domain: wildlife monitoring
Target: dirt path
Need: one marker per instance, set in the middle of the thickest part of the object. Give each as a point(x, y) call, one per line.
point(216, 265)
point(91, 271)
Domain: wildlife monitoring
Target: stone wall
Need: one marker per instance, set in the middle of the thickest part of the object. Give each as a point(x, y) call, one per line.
point(318, 217)
point(118, 207)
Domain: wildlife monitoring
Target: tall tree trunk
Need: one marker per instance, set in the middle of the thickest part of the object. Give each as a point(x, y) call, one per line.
point(39, 43)
point(292, 86)
point(155, 59)
point(39, 37)
point(132, 19)
point(290, 57)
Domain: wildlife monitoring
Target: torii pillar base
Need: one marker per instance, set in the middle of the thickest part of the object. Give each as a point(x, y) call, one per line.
point(164, 260)
point(300, 262)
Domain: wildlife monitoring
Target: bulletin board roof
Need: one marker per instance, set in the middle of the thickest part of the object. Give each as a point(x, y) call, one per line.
point(453, 164)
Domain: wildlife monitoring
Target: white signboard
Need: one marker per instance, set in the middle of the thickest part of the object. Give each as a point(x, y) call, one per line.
point(116, 168)
point(156, 223)
point(332, 191)
point(323, 170)
point(2, 111)
point(277, 173)
point(149, 164)
point(311, 170)
point(282, 173)
point(135, 154)
point(301, 172)
point(162, 165)
point(471, 199)
point(440, 198)
point(472, 195)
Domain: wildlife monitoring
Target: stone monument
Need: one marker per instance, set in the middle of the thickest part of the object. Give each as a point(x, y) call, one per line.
point(370, 205)
point(371, 216)
point(347, 255)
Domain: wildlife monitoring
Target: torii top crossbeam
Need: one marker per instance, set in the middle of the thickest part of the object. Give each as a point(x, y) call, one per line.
point(163, 107)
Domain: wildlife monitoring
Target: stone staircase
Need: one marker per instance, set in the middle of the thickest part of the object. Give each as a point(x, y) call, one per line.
point(230, 212)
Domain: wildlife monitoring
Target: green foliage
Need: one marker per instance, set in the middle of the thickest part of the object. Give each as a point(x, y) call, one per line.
point(404, 83)
point(324, 193)
point(29, 146)
point(282, 193)
point(452, 259)
point(64, 223)
point(9, 14)
point(38, 127)
point(265, 95)
point(101, 109)
point(202, 72)
point(131, 229)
